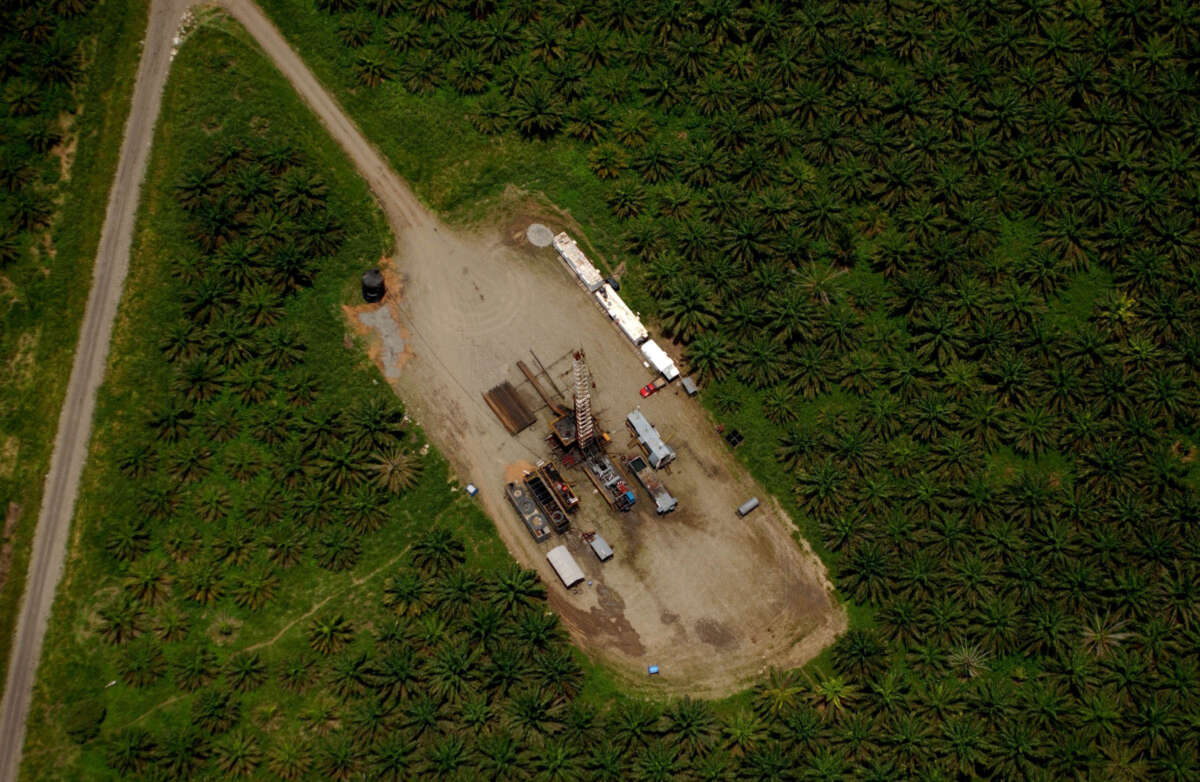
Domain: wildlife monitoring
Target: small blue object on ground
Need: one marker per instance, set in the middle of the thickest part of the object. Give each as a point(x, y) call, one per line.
point(653, 669)
point(472, 489)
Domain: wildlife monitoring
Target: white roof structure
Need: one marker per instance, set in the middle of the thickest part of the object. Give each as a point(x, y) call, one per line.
point(659, 452)
point(577, 262)
point(600, 546)
point(659, 359)
point(565, 566)
point(629, 323)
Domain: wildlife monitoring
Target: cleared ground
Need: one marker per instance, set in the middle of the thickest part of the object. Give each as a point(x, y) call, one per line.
point(710, 598)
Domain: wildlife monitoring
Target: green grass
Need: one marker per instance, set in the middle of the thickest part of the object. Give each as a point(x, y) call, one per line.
point(1077, 303)
point(219, 85)
point(39, 331)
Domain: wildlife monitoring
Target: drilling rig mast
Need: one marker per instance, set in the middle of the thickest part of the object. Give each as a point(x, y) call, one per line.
point(584, 423)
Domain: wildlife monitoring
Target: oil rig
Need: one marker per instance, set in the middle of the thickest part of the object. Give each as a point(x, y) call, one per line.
point(543, 498)
point(579, 441)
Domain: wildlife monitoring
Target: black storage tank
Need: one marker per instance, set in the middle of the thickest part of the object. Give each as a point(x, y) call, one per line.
point(372, 286)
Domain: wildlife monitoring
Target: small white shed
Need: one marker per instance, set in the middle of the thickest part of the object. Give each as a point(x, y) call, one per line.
point(565, 566)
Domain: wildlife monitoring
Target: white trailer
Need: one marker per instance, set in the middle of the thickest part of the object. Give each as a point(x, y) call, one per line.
point(577, 262)
point(565, 566)
point(627, 320)
point(659, 359)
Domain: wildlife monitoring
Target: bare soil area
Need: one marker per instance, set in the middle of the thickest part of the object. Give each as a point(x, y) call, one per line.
point(711, 599)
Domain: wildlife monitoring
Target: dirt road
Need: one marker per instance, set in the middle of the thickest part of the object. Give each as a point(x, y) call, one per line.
point(91, 354)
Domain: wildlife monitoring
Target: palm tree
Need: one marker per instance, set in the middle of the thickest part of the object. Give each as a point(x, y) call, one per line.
point(761, 361)
point(285, 547)
point(215, 711)
point(742, 732)
point(407, 593)
point(470, 73)
point(127, 539)
point(969, 660)
point(181, 342)
point(201, 582)
point(349, 674)
point(337, 549)
point(339, 466)
point(366, 510)
point(819, 489)
point(147, 581)
point(439, 550)
point(536, 111)
point(858, 653)
point(1102, 635)
point(181, 751)
point(245, 671)
point(607, 160)
point(329, 633)
point(142, 663)
point(633, 723)
point(501, 755)
point(198, 380)
point(516, 588)
point(289, 759)
point(866, 571)
point(506, 668)
point(627, 198)
point(255, 589)
point(484, 624)
point(397, 470)
point(809, 371)
point(373, 66)
point(689, 308)
point(121, 620)
point(237, 754)
point(450, 670)
point(130, 751)
point(195, 667)
point(773, 699)
point(531, 714)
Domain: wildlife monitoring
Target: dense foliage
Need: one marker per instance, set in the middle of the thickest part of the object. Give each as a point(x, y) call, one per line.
point(949, 251)
point(40, 63)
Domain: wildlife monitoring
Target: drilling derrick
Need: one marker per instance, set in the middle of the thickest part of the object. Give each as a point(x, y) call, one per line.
point(584, 424)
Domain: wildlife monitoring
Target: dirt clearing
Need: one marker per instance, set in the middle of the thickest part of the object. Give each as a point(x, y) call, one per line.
point(744, 595)
point(711, 599)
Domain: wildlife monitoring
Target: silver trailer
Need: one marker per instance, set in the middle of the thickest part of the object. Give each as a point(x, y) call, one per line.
point(747, 506)
point(600, 548)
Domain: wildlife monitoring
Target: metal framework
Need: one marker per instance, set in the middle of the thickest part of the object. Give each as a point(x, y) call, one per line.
point(584, 424)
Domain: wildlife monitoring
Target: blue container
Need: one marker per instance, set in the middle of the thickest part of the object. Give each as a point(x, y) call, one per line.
point(653, 669)
point(472, 489)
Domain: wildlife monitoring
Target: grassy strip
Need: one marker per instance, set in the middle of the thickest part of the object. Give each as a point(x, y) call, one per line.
point(41, 326)
point(217, 86)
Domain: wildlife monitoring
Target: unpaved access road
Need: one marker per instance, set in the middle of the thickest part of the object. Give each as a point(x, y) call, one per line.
point(87, 371)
